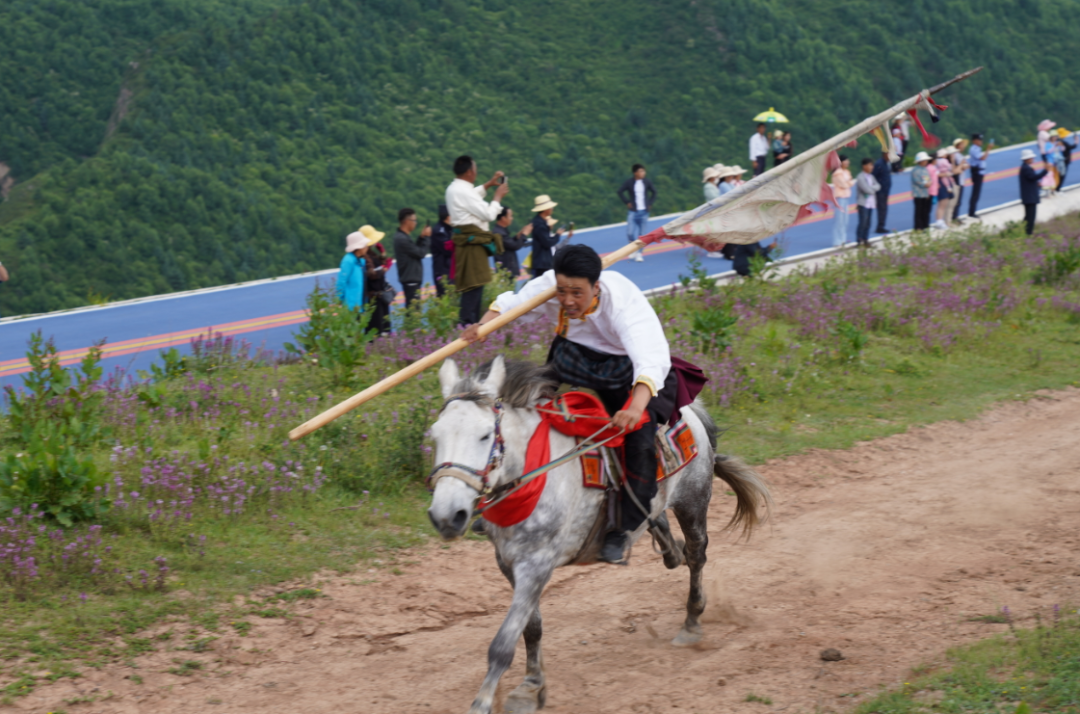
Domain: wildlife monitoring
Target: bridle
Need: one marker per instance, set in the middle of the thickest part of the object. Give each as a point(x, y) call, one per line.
point(473, 478)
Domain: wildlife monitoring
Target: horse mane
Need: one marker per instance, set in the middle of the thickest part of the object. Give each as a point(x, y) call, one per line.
point(525, 384)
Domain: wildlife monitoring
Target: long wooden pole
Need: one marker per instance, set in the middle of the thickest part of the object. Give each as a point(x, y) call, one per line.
point(611, 258)
point(442, 353)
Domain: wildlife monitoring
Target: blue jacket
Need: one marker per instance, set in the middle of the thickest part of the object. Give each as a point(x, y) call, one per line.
point(883, 174)
point(350, 282)
point(1029, 183)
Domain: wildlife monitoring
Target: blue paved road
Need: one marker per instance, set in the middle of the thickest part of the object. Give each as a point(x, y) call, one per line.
point(267, 312)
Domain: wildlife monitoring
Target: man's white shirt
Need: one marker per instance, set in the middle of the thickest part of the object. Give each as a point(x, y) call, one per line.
point(759, 146)
point(624, 324)
point(467, 206)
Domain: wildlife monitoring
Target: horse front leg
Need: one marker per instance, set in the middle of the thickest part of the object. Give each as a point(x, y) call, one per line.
point(531, 694)
point(528, 580)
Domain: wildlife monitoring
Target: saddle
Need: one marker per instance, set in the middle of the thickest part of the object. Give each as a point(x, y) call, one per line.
point(603, 469)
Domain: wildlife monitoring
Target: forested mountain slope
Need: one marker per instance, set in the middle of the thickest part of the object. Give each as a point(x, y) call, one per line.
point(253, 135)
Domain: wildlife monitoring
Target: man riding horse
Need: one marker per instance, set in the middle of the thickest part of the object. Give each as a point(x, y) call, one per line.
point(608, 339)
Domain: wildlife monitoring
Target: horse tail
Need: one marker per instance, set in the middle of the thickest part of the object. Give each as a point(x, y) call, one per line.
point(751, 492)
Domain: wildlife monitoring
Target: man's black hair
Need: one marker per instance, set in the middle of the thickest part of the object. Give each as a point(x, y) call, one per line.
point(842, 158)
point(635, 168)
point(761, 125)
point(405, 213)
point(502, 213)
point(444, 212)
point(867, 161)
point(462, 164)
point(578, 261)
point(976, 137)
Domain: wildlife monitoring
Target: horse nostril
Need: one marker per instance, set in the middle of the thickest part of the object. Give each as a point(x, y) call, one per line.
point(460, 519)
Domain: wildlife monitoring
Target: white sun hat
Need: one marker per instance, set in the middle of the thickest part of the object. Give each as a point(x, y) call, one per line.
point(922, 156)
point(356, 241)
point(711, 172)
point(1027, 154)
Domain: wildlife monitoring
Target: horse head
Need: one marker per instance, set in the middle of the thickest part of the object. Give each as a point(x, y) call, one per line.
point(468, 445)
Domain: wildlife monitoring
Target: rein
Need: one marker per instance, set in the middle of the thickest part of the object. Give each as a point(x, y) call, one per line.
point(475, 479)
point(478, 479)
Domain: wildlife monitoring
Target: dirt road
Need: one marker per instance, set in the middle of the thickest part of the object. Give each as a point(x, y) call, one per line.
point(883, 551)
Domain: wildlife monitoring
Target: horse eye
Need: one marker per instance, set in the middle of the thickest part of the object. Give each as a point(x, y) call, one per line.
point(485, 438)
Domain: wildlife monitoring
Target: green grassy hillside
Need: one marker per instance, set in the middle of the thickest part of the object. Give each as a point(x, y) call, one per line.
point(256, 134)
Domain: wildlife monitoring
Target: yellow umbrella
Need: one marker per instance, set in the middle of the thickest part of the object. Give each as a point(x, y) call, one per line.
point(772, 116)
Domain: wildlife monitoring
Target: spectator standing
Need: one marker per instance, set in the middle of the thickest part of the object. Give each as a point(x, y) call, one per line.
point(442, 251)
point(508, 260)
point(1068, 144)
point(410, 256)
point(780, 155)
point(920, 191)
point(710, 177)
point(1057, 159)
point(733, 179)
point(638, 193)
point(378, 292)
point(1029, 188)
point(544, 240)
point(787, 146)
point(743, 254)
point(883, 174)
point(901, 147)
point(866, 188)
point(1043, 137)
point(960, 165)
point(841, 188)
point(470, 215)
point(759, 149)
point(4, 274)
point(945, 188)
point(977, 163)
point(351, 273)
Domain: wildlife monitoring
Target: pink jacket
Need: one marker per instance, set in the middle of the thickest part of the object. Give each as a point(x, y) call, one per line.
point(933, 178)
point(842, 183)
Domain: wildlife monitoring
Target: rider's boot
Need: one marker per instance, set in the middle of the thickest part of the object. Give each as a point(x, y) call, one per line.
point(614, 548)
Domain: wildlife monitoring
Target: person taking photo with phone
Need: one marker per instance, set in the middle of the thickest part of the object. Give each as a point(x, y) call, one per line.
point(474, 243)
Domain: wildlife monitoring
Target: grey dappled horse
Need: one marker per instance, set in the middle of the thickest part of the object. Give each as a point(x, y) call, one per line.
point(499, 400)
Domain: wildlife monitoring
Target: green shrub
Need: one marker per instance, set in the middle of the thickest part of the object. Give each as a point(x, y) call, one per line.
point(57, 419)
point(335, 337)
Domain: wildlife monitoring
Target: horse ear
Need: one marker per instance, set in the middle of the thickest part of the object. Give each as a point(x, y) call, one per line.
point(448, 377)
point(496, 376)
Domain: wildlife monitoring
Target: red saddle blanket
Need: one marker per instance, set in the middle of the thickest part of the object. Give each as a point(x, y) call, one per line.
point(582, 415)
point(573, 413)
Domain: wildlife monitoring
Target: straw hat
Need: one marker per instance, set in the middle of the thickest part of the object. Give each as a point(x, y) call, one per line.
point(551, 221)
point(944, 152)
point(355, 241)
point(543, 202)
point(1046, 125)
point(778, 134)
point(736, 170)
point(922, 156)
point(960, 144)
point(1063, 132)
point(1027, 154)
point(373, 236)
point(712, 172)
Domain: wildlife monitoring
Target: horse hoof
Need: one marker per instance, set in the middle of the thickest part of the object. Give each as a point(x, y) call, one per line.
point(527, 698)
point(687, 638)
